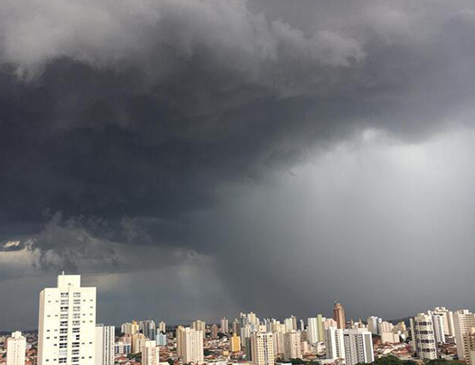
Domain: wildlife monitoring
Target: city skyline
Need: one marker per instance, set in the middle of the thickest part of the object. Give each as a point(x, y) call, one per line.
point(68, 334)
point(337, 314)
point(198, 158)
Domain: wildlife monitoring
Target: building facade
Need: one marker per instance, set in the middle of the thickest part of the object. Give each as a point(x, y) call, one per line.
point(262, 348)
point(105, 341)
point(67, 323)
point(358, 345)
point(423, 337)
point(190, 345)
point(16, 348)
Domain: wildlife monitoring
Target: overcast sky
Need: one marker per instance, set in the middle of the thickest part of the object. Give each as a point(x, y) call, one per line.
point(194, 159)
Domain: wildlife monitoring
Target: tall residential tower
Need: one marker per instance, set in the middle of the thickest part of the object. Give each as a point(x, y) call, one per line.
point(67, 323)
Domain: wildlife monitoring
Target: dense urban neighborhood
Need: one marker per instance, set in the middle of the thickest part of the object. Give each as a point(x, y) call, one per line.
point(68, 334)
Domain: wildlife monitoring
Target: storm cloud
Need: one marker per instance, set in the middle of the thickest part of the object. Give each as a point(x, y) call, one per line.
point(137, 138)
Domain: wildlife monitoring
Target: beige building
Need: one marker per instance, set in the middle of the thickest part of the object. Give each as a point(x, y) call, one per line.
point(214, 332)
point(464, 321)
point(16, 348)
point(129, 328)
point(292, 346)
point(262, 348)
point(150, 353)
point(470, 340)
point(138, 342)
point(190, 345)
point(200, 325)
point(224, 325)
point(235, 343)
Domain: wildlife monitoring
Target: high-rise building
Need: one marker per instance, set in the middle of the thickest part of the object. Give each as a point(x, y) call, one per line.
point(438, 323)
point(312, 331)
point(235, 343)
point(162, 327)
point(470, 341)
point(294, 322)
point(448, 318)
point(423, 338)
point(464, 321)
point(67, 323)
point(262, 348)
point(150, 353)
point(200, 325)
point(334, 343)
point(16, 348)
point(384, 327)
point(161, 338)
point(224, 325)
point(214, 332)
point(122, 348)
point(279, 342)
point(148, 328)
point(321, 331)
point(292, 346)
point(190, 345)
point(289, 324)
point(237, 326)
point(374, 324)
point(105, 340)
point(138, 342)
point(358, 345)
point(387, 333)
point(329, 322)
point(339, 315)
point(129, 328)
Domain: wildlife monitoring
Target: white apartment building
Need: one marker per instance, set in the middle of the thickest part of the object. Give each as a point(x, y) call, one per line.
point(448, 319)
point(438, 323)
point(150, 353)
point(262, 348)
point(16, 348)
point(292, 346)
point(289, 324)
point(67, 323)
point(190, 345)
point(312, 331)
point(334, 343)
point(423, 337)
point(358, 345)
point(105, 342)
point(464, 321)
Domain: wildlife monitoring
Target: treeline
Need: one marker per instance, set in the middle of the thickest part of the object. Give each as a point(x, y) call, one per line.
point(393, 360)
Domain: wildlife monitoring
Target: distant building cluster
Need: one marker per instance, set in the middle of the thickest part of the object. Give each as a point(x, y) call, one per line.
point(68, 334)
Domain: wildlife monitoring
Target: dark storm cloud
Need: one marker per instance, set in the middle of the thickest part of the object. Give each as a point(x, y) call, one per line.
point(125, 117)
